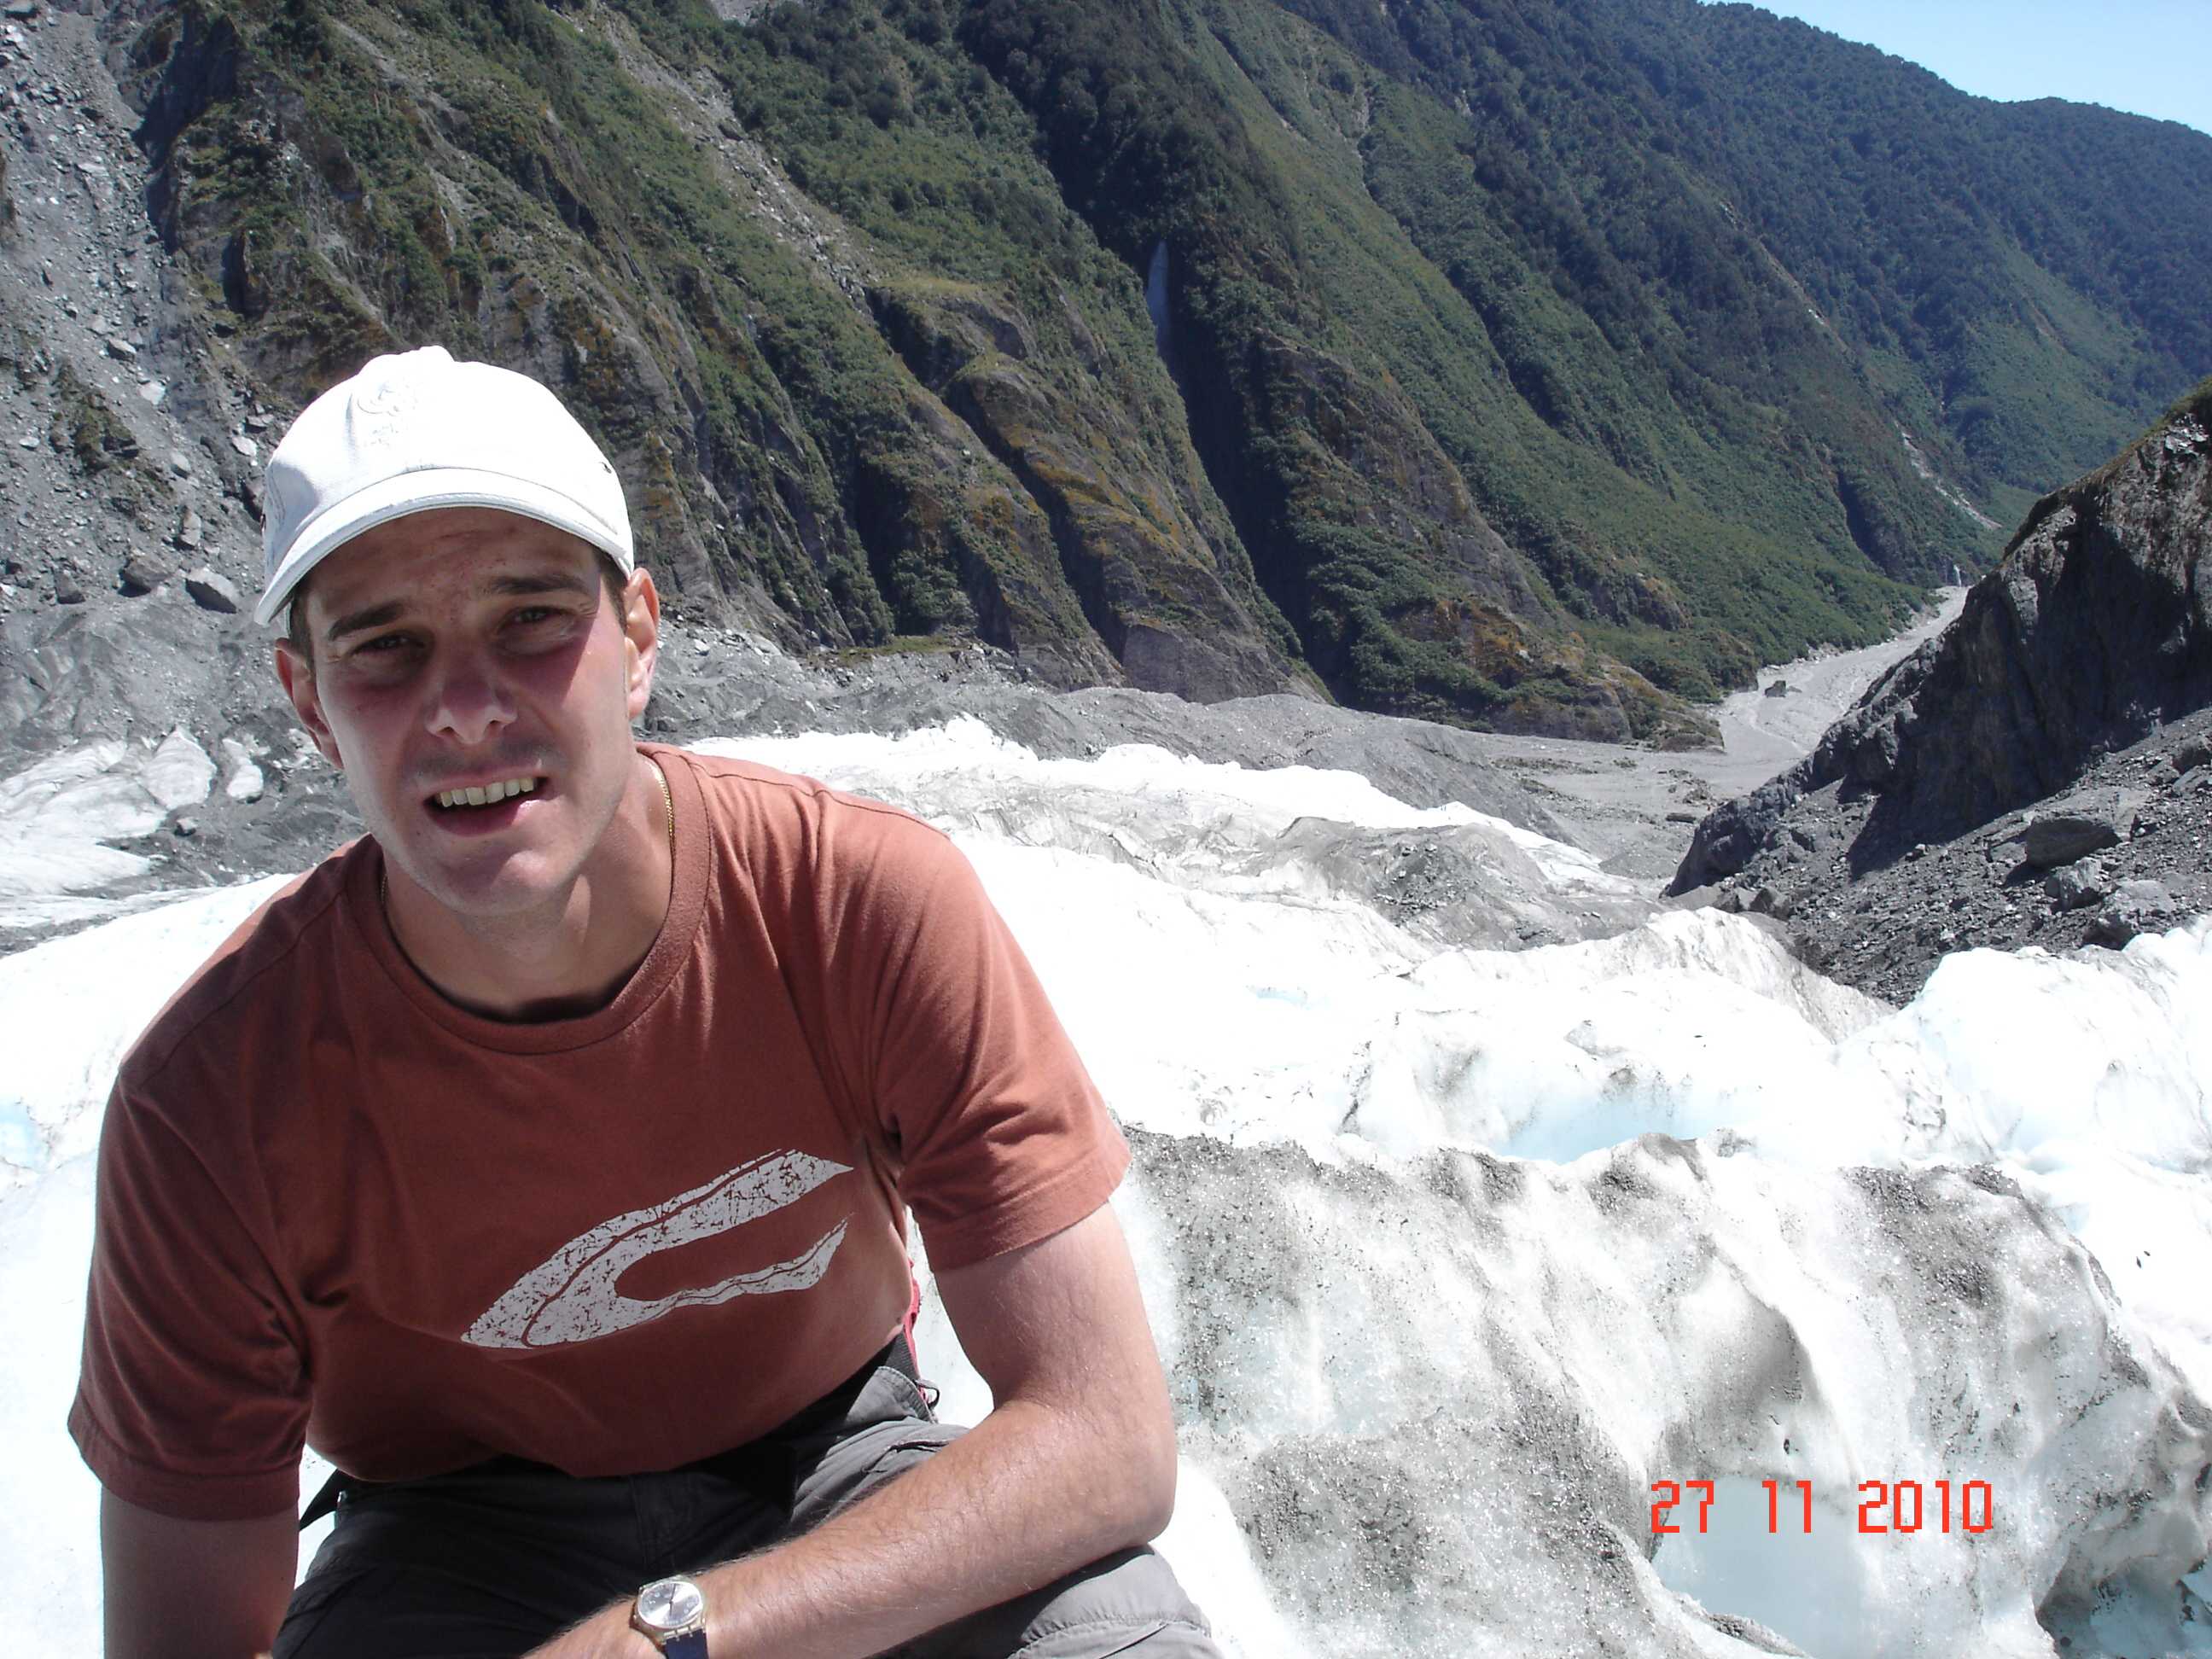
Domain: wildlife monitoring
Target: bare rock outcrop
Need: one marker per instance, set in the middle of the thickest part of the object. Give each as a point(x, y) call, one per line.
point(2094, 629)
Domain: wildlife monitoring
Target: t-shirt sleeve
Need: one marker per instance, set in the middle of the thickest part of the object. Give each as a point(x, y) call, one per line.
point(1001, 1136)
point(193, 1399)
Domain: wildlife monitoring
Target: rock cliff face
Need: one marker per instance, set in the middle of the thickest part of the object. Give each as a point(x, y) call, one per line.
point(2095, 628)
point(2037, 773)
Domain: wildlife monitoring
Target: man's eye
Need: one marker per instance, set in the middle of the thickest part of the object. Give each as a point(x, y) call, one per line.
point(380, 644)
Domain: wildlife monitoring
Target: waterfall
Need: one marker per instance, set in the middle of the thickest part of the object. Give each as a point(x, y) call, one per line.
point(1156, 303)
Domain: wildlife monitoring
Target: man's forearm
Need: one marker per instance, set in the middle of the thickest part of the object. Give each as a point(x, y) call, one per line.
point(1033, 1491)
point(1077, 1460)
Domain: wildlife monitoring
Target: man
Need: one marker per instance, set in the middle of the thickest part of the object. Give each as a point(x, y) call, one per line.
point(543, 1158)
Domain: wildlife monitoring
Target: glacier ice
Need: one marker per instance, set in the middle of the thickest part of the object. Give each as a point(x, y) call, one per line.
point(1454, 1251)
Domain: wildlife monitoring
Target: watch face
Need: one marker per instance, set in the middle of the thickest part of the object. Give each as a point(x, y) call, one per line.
point(669, 1604)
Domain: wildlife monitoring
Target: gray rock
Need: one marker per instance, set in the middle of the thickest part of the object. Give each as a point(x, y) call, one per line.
point(142, 573)
point(1874, 759)
point(23, 10)
point(189, 531)
point(1778, 689)
point(212, 592)
point(2192, 753)
point(1773, 901)
point(2076, 884)
point(2137, 908)
point(121, 349)
point(180, 464)
point(1810, 949)
point(2080, 825)
point(1727, 837)
point(67, 591)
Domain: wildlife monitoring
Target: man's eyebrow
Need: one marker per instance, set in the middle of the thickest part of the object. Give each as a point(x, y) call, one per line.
point(374, 617)
point(562, 581)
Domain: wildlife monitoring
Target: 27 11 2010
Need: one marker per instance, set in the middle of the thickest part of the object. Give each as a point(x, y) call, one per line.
point(1885, 1506)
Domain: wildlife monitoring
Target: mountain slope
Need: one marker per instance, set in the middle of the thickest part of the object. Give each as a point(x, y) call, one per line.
point(1538, 366)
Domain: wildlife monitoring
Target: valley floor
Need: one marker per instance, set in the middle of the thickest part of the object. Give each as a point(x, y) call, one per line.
point(1634, 808)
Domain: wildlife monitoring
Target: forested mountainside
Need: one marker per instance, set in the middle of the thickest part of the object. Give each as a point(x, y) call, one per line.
point(1531, 363)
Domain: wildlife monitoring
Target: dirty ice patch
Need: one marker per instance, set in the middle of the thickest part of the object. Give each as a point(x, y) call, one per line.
point(894, 767)
point(2088, 1079)
point(1211, 822)
point(58, 817)
point(1204, 1542)
point(1437, 1395)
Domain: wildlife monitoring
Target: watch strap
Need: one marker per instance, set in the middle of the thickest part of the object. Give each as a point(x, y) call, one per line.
point(692, 1644)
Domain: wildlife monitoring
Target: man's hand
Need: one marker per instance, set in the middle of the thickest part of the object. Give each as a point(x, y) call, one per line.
point(1075, 1461)
point(181, 1590)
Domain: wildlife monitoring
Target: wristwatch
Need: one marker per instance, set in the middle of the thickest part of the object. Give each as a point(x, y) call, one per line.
point(672, 1614)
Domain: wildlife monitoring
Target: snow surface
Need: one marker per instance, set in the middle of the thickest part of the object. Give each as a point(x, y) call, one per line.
point(1452, 1254)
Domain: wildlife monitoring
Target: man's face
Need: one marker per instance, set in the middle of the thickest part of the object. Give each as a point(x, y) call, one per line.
point(466, 649)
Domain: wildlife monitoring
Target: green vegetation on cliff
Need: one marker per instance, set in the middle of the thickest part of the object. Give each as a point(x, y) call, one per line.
point(1522, 364)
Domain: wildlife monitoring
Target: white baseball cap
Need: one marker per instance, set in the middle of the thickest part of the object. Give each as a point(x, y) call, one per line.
point(417, 431)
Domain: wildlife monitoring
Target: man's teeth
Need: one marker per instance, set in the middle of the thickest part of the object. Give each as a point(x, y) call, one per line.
point(490, 794)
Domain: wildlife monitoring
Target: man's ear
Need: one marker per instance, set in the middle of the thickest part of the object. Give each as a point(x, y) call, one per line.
point(641, 637)
point(297, 674)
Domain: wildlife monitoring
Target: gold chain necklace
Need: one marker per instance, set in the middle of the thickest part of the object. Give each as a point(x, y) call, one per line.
point(668, 815)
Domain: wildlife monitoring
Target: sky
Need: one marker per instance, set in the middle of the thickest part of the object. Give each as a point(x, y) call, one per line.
point(2147, 57)
point(1438, 1281)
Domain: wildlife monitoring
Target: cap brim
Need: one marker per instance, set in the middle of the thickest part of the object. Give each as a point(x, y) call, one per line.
point(409, 493)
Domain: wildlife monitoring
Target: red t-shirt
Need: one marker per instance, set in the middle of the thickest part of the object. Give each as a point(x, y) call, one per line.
point(333, 1206)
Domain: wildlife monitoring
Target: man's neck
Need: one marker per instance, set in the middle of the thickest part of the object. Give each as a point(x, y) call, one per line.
point(571, 957)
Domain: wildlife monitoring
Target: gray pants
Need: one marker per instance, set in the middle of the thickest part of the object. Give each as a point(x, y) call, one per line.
point(488, 1563)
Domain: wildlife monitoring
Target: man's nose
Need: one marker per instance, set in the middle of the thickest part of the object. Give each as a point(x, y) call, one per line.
point(470, 699)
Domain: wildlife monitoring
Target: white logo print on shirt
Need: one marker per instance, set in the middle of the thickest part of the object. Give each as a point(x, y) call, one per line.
point(571, 1298)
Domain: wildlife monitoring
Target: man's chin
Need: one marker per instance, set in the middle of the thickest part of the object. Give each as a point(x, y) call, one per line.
point(508, 883)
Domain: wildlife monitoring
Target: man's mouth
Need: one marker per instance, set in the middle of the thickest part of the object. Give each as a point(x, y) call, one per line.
point(487, 794)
